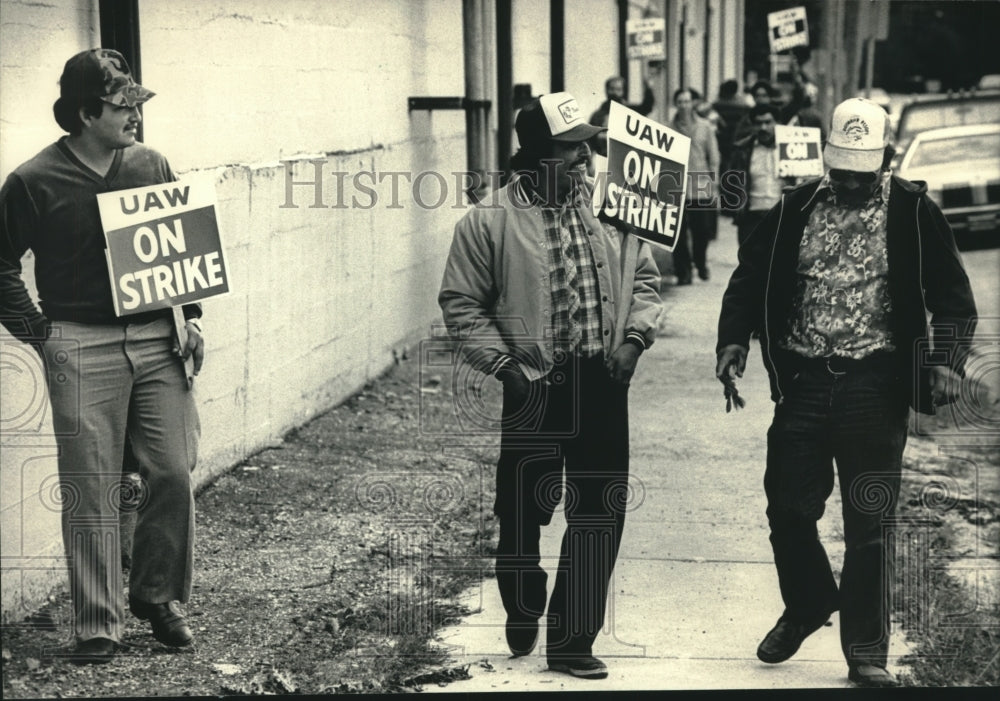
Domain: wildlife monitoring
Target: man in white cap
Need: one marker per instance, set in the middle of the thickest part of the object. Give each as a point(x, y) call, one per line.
point(531, 296)
point(839, 280)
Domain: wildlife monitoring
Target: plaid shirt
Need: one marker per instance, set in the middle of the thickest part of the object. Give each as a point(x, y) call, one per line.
point(586, 279)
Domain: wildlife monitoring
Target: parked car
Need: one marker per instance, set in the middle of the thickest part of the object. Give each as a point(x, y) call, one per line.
point(950, 111)
point(961, 166)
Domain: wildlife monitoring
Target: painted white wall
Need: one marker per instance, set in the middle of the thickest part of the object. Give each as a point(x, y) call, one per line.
point(591, 50)
point(530, 44)
point(321, 297)
point(36, 39)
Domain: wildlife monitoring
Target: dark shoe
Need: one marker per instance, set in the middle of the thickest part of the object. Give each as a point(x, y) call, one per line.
point(784, 640)
point(871, 676)
point(522, 635)
point(684, 280)
point(703, 274)
point(588, 667)
point(169, 625)
point(93, 651)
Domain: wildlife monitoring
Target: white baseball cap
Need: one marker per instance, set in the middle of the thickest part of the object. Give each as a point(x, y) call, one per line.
point(555, 116)
point(859, 133)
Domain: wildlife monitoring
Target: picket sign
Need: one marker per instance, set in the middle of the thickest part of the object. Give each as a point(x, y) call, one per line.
point(164, 250)
point(787, 29)
point(643, 186)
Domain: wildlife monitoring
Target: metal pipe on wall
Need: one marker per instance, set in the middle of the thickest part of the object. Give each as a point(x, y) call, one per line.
point(489, 79)
point(557, 42)
point(505, 84)
point(476, 118)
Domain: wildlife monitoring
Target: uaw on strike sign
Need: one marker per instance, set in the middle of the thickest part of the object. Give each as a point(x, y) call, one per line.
point(163, 246)
point(646, 177)
point(645, 38)
point(787, 28)
point(798, 151)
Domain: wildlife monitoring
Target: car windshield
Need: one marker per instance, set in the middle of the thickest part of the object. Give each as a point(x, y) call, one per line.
point(972, 147)
point(918, 117)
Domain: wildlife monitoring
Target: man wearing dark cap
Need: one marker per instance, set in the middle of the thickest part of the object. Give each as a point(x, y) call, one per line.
point(839, 281)
point(531, 295)
point(110, 379)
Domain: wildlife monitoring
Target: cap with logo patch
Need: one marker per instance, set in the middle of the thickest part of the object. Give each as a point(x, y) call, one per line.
point(104, 74)
point(859, 133)
point(555, 116)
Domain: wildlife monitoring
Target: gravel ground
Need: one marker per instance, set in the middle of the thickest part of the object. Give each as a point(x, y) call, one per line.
point(323, 564)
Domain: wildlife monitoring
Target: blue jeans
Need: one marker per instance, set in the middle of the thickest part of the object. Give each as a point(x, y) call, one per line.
point(858, 420)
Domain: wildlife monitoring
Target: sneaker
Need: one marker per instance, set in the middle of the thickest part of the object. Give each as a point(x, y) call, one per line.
point(522, 635)
point(868, 675)
point(784, 640)
point(588, 667)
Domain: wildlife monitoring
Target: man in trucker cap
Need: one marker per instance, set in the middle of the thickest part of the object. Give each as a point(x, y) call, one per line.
point(839, 281)
point(531, 295)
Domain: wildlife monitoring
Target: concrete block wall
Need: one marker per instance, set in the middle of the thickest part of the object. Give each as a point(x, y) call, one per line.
point(35, 41)
point(321, 297)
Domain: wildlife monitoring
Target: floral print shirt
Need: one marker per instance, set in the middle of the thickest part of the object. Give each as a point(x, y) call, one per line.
point(842, 303)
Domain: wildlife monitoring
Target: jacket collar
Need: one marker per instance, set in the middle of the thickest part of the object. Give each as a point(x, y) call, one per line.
point(824, 189)
point(525, 195)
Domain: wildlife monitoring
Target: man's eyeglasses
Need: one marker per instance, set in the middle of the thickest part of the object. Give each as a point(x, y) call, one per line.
point(862, 177)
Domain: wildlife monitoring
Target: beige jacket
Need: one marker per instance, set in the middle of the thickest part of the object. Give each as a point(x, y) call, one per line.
point(495, 295)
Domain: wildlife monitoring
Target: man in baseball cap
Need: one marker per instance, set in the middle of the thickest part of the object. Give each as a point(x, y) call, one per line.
point(113, 381)
point(551, 128)
point(104, 74)
point(530, 295)
point(839, 280)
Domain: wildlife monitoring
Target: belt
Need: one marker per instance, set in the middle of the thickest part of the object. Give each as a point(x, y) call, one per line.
point(839, 365)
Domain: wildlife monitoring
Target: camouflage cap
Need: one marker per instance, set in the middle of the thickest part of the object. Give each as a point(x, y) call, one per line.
point(102, 73)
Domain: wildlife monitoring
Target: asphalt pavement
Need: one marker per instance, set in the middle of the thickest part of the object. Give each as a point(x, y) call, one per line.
point(695, 589)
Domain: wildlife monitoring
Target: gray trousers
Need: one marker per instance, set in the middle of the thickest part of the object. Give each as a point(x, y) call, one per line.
point(106, 383)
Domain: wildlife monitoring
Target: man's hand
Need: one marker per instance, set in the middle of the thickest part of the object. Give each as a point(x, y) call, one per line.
point(946, 385)
point(514, 380)
point(731, 362)
point(621, 364)
point(195, 346)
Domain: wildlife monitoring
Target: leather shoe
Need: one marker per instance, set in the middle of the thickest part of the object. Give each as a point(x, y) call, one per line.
point(169, 625)
point(522, 635)
point(784, 640)
point(93, 651)
point(587, 667)
point(869, 675)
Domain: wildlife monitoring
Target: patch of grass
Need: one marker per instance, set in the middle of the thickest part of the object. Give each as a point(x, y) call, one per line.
point(956, 640)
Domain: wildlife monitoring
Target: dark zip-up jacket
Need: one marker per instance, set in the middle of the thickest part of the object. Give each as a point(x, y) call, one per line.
point(926, 276)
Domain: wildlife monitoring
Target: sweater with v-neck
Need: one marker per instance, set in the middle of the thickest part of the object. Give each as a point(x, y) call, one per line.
point(49, 205)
